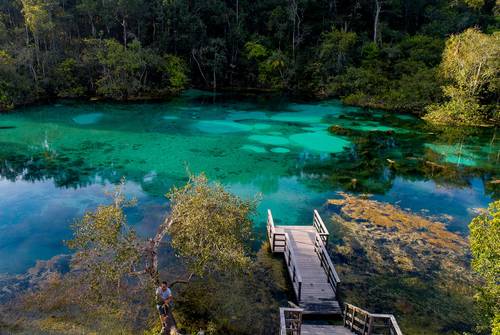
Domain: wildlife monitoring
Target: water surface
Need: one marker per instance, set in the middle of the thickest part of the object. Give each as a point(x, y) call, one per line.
point(56, 161)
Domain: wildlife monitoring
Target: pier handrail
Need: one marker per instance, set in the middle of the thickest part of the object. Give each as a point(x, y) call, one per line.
point(320, 227)
point(362, 322)
point(290, 320)
point(274, 237)
point(292, 267)
point(326, 262)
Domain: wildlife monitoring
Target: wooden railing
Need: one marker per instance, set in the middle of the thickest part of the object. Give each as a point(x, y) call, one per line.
point(320, 227)
point(290, 321)
point(362, 322)
point(293, 269)
point(326, 263)
point(276, 240)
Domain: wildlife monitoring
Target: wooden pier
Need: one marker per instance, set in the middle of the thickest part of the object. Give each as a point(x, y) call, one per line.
point(357, 321)
point(315, 284)
point(311, 270)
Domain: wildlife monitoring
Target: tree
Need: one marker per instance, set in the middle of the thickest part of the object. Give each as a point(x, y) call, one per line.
point(485, 247)
point(471, 65)
point(68, 79)
point(132, 72)
point(376, 20)
point(107, 249)
point(271, 65)
point(334, 49)
point(210, 227)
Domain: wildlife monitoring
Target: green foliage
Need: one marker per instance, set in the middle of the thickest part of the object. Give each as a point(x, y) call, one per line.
point(255, 50)
point(68, 78)
point(106, 249)
point(176, 70)
point(135, 49)
point(14, 88)
point(471, 66)
point(121, 76)
point(485, 247)
point(239, 303)
point(210, 226)
point(6, 102)
point(37, 14)
point(335, 49)
point(271, 65)
point(133, 71)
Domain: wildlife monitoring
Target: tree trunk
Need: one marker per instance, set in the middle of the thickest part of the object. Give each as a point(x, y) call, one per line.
point(124, 25)
point(378, 8)
point(199, 66)
point(92, 26)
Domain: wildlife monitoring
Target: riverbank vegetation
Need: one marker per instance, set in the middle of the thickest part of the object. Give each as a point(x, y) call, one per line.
point(485, 247)
point(373, 53)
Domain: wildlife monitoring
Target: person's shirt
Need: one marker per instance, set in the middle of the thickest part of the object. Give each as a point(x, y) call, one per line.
point(164, 295)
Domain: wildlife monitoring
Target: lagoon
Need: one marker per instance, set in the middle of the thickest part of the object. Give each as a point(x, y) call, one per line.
point(57, 160)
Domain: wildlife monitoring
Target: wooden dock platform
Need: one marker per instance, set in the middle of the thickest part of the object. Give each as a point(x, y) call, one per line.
point(311, 270)
point(315, 283)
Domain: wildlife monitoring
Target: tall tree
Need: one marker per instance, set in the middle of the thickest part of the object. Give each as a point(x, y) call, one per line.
point(471, 65)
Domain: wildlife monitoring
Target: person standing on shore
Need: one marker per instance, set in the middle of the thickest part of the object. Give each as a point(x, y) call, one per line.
point(163, 299)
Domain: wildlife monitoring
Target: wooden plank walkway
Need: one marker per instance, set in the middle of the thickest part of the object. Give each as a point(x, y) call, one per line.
point(311, 270)
point(315, 282)
point(324, 330)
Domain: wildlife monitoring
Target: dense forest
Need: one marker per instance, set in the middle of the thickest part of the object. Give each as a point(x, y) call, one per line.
point(438, 56)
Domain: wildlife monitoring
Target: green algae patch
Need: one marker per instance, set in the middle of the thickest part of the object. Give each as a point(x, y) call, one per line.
point(280, 150)
point(269, 139)
point(86, 119)
point(320, 142)
point(221, 127)
point(254, 148)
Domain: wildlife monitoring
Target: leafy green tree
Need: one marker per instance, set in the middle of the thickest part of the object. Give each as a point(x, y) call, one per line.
point(124, 73)
point(107, 249)
point(210, 227)
point(68, 79)
point(6, 99)
point(176, 70)
point(14, 87)
point(335, 48)
point(122, 68)
point(485, 247)
point(272, 65)
point(471, 64)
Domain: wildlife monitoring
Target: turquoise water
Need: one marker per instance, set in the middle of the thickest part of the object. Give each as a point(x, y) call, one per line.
point(57, 160)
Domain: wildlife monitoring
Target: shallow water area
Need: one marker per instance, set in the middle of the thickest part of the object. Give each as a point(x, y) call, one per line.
point(57, 160)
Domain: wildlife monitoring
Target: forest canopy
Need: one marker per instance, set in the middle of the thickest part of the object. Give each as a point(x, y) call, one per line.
point(385, 54)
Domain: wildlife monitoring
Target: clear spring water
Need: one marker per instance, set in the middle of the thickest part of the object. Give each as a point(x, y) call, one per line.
point(57, 160)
